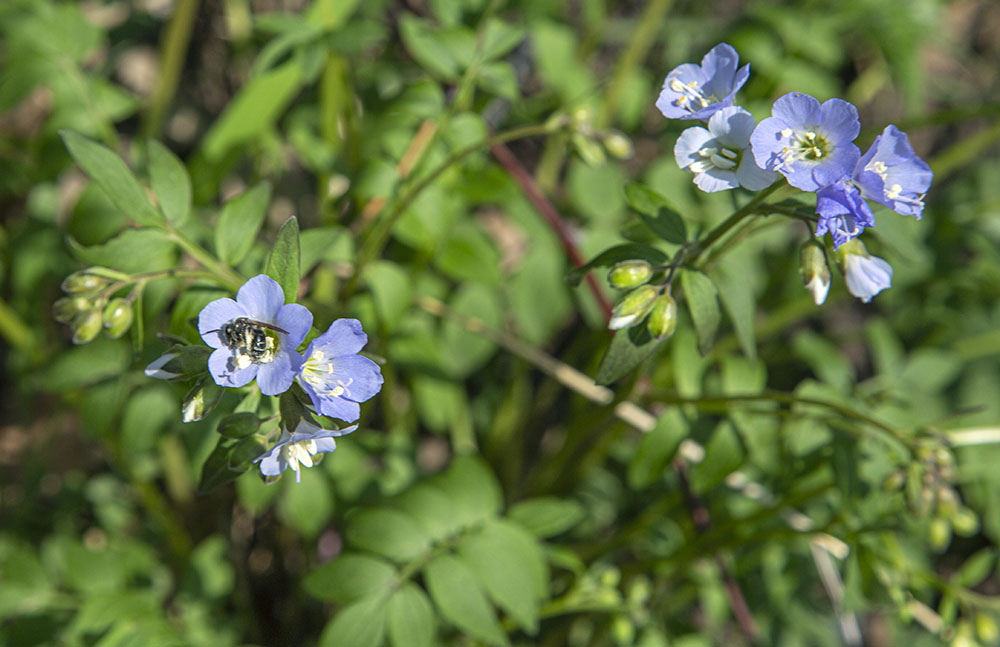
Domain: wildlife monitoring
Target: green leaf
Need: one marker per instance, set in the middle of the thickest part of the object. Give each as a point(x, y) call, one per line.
point(422, 42)
point(976, 569)
point(411, 618)
point(700, 295)
point(431, 508)
point(239, 222)
point(657, 449)
point(392, 291)
point(740, 305)
point(361, 624)
point(389, 533)
point(83, 365)
point(283, 263)
point(499, 37)
point(324, 243)
point(460, 599)
point(723, 455)
point(254, 110)
point(350, 577)
point(628, 348)
point(306, 506)
point(657, 213)
point(170, 181)
point(133, 250)
point(511, 566)
point(616, 254)
point(547, 516)
point(111, 173)
point(217, 469)
point(472, 488)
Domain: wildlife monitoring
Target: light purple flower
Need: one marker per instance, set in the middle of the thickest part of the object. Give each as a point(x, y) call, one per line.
point(718, 155)
point(842, 212)
point(697, 91)
point(335, 376)
point(865, 275)
point(274, 361)
point(890, 173)
point(298, 448)
point(808, 143)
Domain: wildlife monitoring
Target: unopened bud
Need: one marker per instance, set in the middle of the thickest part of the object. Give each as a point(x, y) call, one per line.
point(964, 636)
point(180, 363)
point(590, 151)
point(622, 630)
point(618, 145)
point(86, 326)
point(66, 309)
point(940, 534)
point(894, 482)
point(200, 400)
point(639, 590)
point(83, 281)
point(633, 307)
point(582, 118)
point(117, 317)
point(986, 628)
point(630, 274)
point(814, 270)
point(239, 425)
point(965, 522)
point(663, 317)
point(947, 503)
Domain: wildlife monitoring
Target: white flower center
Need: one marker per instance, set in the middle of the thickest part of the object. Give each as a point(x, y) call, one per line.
point(715, 157)
point(803, 146)
point(691, 94)
point(317, 372)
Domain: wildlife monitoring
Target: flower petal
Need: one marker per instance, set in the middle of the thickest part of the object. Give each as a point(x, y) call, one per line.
point(220, 365)
point(840, 120)
point(364, 376)
point(277, 375)
point(716, 179)
point(262, 297)
point(797, 110)
point(214, 316)
point(688, 144)
point(752, 177)
point(766, 142)
point(339, 408)
point(343, 337)
point(732, 126)
point(296, 320)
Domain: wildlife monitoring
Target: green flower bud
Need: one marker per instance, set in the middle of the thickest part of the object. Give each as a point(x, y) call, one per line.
point(557, 121)
point(610, 577)
point(83, 281)
point(622, 630)
point(639, 590)
point(894, 482)
point(663, 317)
point(589, 150)
point(239, 425)
point(947, 503)
point(618, 145)
point(814, 270)
point(200, 400)
point(940, 534)
point(243, 453)
point(66, 309)
point(86, 325)
point(963, 635)
point(965, 522)
point(630, 274)
point(117, 317)
point(583, 119)
point(633, 307)
point(986, 628)
point(180, 363)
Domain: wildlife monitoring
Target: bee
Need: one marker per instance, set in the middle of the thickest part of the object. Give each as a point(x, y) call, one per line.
point(248, 334)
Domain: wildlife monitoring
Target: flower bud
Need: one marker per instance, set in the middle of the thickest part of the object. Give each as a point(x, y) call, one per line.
point(663, 317)
point(965, 522)
point(86, 325)
point(582, 119)
point(83, 281)
point(814, 270)
point(239, 425)
point(986, 628)
point(630, 274)
point(947, 503)
point(622, 630)
point(180, 363)
point(65, 309)
point(618, 145)
point(963, 636)
point(117, 317)
point(865, 275)
point(894, 482)
point(940, 534)
point(633, 307)
point(200, 400)
point(589, 150)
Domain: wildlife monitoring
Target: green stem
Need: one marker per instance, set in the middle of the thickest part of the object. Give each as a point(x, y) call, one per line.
point(222, 272)
point(730, 222)
point(378, 236)
point(172, 54)
point(16, 332)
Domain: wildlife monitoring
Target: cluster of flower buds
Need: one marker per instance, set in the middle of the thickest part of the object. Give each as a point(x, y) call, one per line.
point(87, 308)
point(644, 303)
point(591, 144)
point(811, 145)
point(928, 483)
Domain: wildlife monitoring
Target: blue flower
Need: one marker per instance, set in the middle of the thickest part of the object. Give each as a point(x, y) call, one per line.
point(697, 91)
point(335, 376)
point(718, 155)
point(866, 275)
point(255, 336)
point(299, 448)
point(890, 173)
point(810, 144)
point(842, 212)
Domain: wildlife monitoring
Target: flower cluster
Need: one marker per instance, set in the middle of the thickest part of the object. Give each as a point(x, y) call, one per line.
point(810, 143)
point(256, 336)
